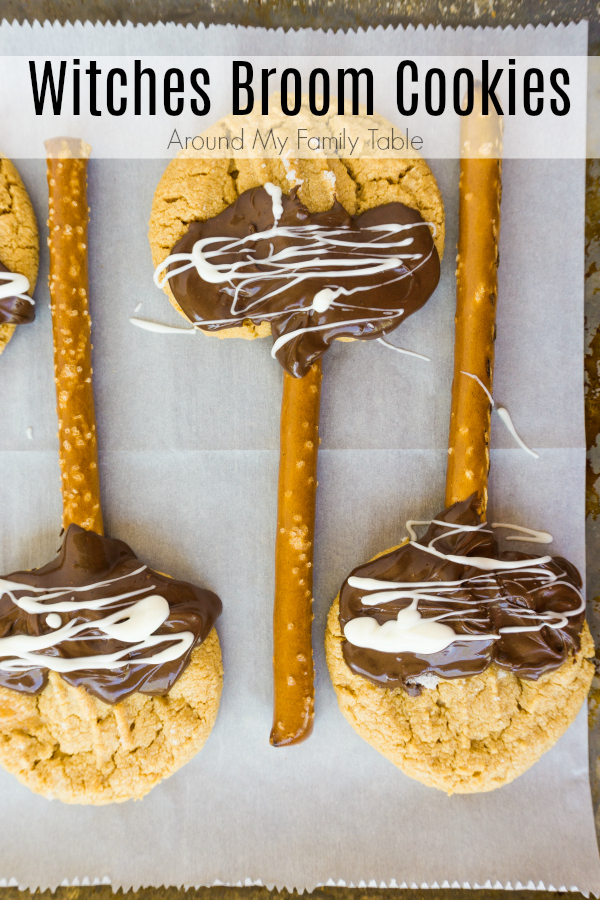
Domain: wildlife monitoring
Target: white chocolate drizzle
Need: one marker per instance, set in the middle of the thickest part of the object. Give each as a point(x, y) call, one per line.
point(159, 328)
point(135, 624)
point(402, 350)
point(410, 632)
point(506, 419)
point(306, 259)
point(276, 194)
point(480, 383)
point(531, 535)
point(12, 284)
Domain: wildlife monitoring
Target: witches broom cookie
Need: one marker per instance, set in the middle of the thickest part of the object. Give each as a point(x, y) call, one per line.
point(459, 662)
point(19, 253)
point(110, 672)
point(307, 251)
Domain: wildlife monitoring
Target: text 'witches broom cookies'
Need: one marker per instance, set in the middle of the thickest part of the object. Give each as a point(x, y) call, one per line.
point(307, 251)
point(110, 673)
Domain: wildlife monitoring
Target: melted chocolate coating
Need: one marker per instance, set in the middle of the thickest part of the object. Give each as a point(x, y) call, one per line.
point(252, 213)
point(15, 310)
point(526, 654)
point(88, 558)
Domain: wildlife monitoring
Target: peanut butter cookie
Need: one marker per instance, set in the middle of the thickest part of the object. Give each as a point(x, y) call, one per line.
point(195, 189)
point(461, 735)
point(19, 246)
point(66, 744)
point(110, 672)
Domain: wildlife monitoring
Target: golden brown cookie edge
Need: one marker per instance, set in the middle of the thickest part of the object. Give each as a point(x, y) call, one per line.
point(25, 263)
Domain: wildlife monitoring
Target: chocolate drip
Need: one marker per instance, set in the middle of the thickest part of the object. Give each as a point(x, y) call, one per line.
point(527, 654)
point(14, 310)
point(388, 291)
point(87, 558)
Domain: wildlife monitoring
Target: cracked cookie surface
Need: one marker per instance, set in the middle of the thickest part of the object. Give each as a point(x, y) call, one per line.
point(19, 241)
point(194, 189)
point(465, 735)
point(66, 744)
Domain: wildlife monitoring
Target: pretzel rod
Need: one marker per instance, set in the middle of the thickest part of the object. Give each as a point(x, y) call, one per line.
point(293, 669)
point(71, 327)
point(476, 296)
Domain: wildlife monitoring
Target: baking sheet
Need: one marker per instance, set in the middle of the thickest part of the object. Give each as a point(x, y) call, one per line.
point(188, 435)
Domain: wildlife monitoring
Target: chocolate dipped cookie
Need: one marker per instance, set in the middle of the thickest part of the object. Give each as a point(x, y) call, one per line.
point(459, 662)
point(110, 673)
point(19, 253)
point(341, 251)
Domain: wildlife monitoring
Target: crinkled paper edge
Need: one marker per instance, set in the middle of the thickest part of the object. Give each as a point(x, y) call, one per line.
point(86, 26)
point(248, 882)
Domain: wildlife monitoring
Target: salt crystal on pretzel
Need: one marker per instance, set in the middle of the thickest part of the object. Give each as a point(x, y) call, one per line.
point(71, 330)
point(480, 192)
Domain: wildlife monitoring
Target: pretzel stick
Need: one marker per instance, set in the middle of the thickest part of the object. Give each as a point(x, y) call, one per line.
point(293, 668)
point(476, 296)
point(71, 326)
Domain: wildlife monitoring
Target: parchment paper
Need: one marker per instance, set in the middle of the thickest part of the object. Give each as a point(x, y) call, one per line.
point(188, 429)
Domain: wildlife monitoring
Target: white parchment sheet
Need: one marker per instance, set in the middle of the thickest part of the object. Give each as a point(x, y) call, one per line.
point(188, 431)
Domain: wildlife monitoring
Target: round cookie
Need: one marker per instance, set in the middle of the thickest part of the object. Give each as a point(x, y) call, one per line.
point(464, 735)
point(19, 240)
point(66, 744)
point(194, 189)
